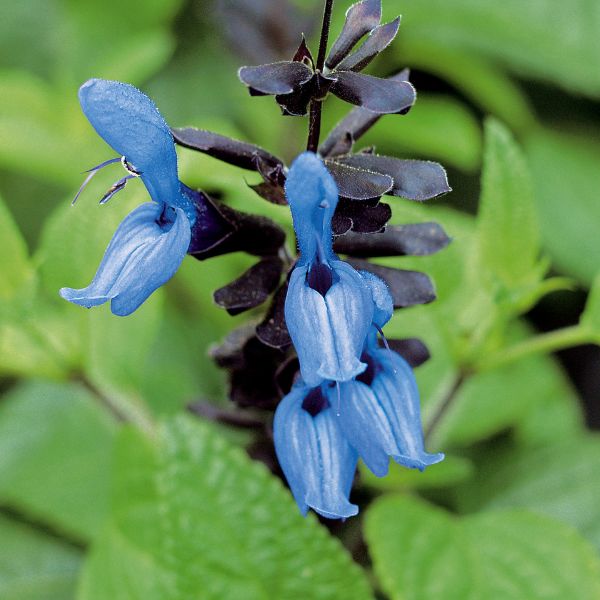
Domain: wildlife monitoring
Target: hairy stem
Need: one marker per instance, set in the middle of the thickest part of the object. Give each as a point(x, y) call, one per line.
point(314, 121)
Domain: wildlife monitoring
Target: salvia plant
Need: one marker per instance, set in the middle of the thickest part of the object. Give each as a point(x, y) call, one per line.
point(353, 392)
point(340, 390)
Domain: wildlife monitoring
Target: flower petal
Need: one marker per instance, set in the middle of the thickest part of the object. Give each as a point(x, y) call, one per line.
point(396, 391)
point(329, 331)
point(313, 196)
point(141, 257)
point(384, 304)
point(317, 461)
point(129, 122)
point(365, 425)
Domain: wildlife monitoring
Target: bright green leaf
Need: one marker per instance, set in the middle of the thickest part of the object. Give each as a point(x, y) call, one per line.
point(35, 566)
point(477, 78)
point(437, 128)
point(567, 180)
point(494, 400)
point(521, 35)
point(56, 444)
point(119, 352)
point(195, 517)
point(507, 223)
point(561, 480)
point(451, 471)
point(421, 552)
point(15, 269)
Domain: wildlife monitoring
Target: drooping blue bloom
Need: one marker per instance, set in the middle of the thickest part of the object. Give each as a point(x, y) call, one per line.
point(380, 410)
point(318, 463)
point(328, 307)
point(151, 242)
point(144, 254)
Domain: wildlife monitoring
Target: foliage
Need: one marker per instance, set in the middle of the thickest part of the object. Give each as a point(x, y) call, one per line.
point(108, 491)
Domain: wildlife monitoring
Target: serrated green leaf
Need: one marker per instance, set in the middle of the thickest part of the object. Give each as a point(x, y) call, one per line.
point(567, 179)
point(194, 517)
point(590, 318)
point(561, 480)
point(15, 269)
point(524, 555)
point(56, 444)
point(507, 226)
point(421, 552)
point(520, 35)
point(35, 566)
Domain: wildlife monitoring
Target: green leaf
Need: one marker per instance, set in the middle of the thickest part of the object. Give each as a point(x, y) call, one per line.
point(75, 237)
point(15, 269)
point(590, 318)
point(476, 77)
point(567, 180)
point(492, 401)
point(463, 320)
point(520, 35)
point(451, 471)
point(561, 480)
point(437, 128)
point(507, 226)
point(421, 552)
point(56, 444)
point(194, 516)
point(119, 353)
point(35, 566)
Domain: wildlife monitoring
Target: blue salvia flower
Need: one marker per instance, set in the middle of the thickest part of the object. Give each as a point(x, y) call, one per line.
point(150, 244)
point(380, 410)
point(318, 462)
point(328, 307)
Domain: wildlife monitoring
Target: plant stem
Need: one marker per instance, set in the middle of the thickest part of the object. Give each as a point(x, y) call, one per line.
point(544, 343)
point(122, 408)
point(324, 34)
point(314, 122)
point(442, 406)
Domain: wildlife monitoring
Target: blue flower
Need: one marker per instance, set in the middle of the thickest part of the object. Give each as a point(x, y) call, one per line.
point(329, 306)
point(380, 410)
point(318, 463)
point(151, 242)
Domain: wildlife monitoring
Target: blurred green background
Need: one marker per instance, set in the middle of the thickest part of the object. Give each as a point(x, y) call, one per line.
point(108, 491)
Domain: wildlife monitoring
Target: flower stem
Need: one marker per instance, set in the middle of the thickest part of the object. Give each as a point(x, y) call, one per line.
point(544, 343)
point(441, 407)
point(324, 34)
point(314, 122)
point(122, 408)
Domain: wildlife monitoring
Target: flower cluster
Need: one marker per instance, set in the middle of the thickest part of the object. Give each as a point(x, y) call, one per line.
point(315, 356)
point(352, 399)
